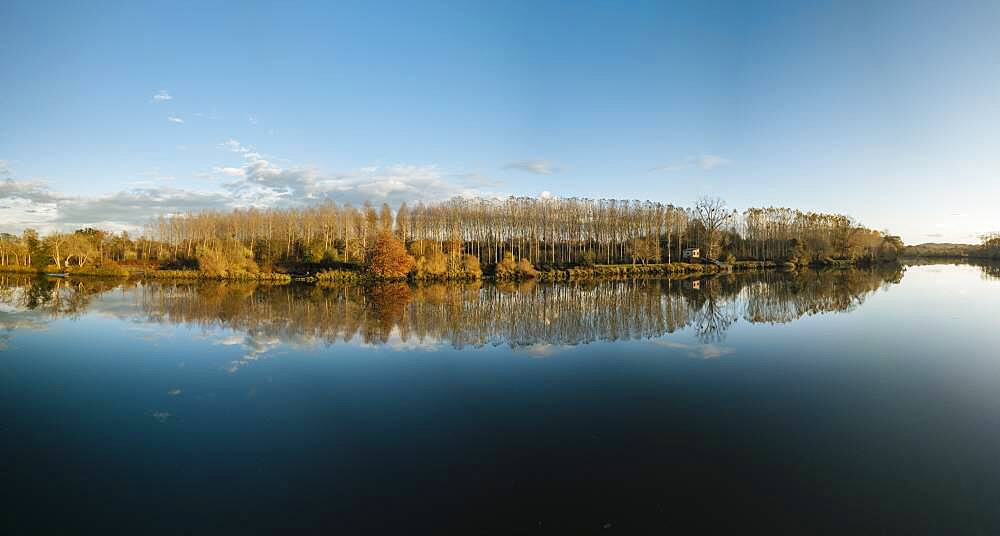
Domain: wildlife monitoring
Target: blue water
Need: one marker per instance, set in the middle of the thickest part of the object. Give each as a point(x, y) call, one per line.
point(820, 402)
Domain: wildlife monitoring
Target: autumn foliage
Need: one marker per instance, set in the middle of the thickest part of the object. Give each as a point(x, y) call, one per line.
point(388, 258)
point(508, 268)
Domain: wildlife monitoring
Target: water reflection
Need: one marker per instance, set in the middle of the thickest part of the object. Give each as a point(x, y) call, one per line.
point(527, 315)
point(990, 271)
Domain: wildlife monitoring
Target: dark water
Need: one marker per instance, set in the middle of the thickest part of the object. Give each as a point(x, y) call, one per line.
point(845, 401)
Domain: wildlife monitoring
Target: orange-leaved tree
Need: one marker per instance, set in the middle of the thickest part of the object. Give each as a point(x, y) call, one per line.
point(388, 258)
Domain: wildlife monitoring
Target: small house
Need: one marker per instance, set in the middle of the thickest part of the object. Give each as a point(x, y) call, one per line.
point(691, 253)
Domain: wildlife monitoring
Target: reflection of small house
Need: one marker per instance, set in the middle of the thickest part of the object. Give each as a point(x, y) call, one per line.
point(691, 253)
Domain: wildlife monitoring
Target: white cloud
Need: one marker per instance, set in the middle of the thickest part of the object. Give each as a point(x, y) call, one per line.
point(262, 182)
point(252, 119)
point(229, 171)
point(546, 195)
point(705, 162)
point(255, 181)
point(4, 169)
point(176, 120)
point(538, 167)
point(162, 96)
point(35, 191)
point(33, 204)
point(235, 146)
point(22, 212)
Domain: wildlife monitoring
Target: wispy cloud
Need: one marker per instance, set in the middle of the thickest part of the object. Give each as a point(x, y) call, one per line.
point(252, 119)
point(4, 169)
point(477, 180)
point(161, 96)
point(176, 120)
point(539, 167)
point(705, 162)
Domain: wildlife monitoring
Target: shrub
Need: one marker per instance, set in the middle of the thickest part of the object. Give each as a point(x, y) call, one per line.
point(507, 267)
point(106, 268)
point(525, 270)
point(470, 265)
point(388, 258)
point(232, 260)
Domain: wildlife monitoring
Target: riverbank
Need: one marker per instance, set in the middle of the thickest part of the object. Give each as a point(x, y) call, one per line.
point(615, 271)
point(594, 272)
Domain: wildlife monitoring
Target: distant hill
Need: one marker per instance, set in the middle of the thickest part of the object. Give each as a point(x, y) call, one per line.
point(939, 250)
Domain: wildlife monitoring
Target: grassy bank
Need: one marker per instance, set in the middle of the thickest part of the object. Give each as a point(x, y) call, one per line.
point(616, 271)
point(196, 274)
point(93, 271)
point(20, 270)
point(341, 276)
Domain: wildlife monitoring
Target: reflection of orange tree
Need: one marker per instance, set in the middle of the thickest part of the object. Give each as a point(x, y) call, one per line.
point(387, 303)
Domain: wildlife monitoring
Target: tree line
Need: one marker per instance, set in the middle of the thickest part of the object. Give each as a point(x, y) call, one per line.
point(988, 248)
point(457, 236)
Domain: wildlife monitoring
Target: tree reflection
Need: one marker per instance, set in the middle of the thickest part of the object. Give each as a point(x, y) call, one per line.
point(387, 306)
point(516, 314)
point(58, 297)
point(990, 271)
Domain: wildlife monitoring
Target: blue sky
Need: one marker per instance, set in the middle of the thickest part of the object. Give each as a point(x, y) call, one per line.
point(113, 112)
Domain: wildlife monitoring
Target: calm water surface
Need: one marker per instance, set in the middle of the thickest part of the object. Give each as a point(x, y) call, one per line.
point(843, 401)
